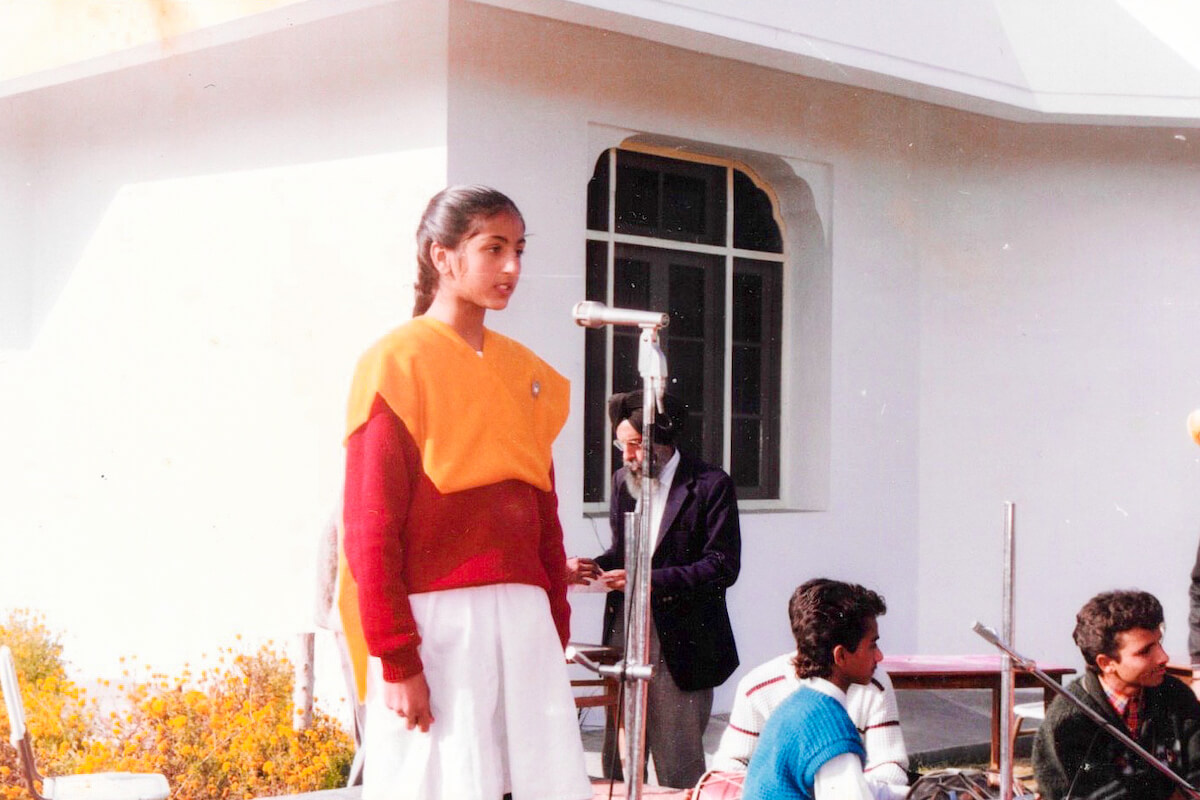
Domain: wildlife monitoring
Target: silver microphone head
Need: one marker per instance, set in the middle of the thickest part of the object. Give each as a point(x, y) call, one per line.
point(591, 314)
point(587, 314)
point(986, 632)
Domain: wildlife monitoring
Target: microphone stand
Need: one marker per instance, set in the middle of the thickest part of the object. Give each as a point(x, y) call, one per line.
point(634, 670)
point(652, 365)
point(1006, 668)
point(1029, 666)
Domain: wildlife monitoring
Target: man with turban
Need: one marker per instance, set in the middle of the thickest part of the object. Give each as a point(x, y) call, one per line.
point(696, 557)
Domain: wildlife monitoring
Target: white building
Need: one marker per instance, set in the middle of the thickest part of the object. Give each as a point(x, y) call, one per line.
point(987, 292)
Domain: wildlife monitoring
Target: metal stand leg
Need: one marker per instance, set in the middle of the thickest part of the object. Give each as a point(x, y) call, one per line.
point(636, 670)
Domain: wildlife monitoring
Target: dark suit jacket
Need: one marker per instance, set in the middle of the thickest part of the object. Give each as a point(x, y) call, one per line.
point(696, 561)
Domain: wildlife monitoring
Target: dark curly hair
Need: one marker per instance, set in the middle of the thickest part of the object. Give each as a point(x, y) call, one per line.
point(824, 614)
point(1110, 613)
point(452, 216)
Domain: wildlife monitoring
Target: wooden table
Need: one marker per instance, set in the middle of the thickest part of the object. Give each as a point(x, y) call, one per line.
point(1181, 670)
point(967, 672)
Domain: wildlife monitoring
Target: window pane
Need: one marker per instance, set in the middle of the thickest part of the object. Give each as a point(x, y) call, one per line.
point(595, 390)
point(747, 307)
point(747, 379)
point(684, 215)
point(597, 196)
point(686, 361)
point(692, 438)
point(631, 289)
point(637, 199)
point(597, 273)
point(746, 451)
point(632, 284)
point(625, 361)
point(754, 226)
point(687, 304)
point(758, 304)
point(670, 199)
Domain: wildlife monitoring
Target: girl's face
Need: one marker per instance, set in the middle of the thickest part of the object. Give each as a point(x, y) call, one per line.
point(484, 269)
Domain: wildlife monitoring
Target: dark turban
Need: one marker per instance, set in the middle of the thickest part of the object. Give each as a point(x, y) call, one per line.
point(667, 427)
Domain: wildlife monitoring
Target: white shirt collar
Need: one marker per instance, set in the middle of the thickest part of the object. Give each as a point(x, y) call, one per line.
point(825, 687)
point(667, 474)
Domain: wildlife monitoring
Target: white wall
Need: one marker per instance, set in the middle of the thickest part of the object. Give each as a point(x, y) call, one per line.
point(573, 81)
point(1059, 360)
point(16, 207)
point(215, 238)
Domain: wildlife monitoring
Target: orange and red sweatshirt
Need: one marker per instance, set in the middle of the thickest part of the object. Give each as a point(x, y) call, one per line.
point(449, 483)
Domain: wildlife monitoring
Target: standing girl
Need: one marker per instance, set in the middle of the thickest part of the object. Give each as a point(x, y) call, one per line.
point(452, 533)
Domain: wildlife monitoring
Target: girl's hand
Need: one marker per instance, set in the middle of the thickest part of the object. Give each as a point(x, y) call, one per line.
point(582, 570)
point(410, 699)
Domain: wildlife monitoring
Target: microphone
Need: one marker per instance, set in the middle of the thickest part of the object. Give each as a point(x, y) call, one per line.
point(994, 639)
point(590, 314)
point(986, 632)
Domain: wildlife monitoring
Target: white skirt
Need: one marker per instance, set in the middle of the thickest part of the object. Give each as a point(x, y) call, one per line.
point(504, 716)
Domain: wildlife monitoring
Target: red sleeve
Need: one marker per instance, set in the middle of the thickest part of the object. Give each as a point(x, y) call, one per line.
point(381, 462)
point(554, 560)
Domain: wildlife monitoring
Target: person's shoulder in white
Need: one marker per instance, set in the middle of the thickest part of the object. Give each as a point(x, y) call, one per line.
point(774, 679)
point(871, 707)
point(764, 687)
point(873, 703)
point(758, 693)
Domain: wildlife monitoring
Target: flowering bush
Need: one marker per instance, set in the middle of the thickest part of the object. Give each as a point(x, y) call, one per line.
point(226, 732)
point(56, 710)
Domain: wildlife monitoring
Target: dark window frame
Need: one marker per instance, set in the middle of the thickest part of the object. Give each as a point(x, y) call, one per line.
point(707, 245)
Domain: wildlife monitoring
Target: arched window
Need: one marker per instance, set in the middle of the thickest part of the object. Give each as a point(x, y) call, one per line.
point(700, 240)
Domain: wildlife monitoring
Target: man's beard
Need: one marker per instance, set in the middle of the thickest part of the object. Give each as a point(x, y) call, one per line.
point(633, 477)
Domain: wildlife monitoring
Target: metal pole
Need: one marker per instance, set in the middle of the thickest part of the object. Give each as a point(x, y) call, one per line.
point(635, 670)
point(1006, 670)
point(637, 652)
point(652, 365)
point(302, 687)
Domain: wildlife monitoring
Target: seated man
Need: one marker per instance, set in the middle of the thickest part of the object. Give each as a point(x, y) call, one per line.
point(809, 747)
point(872, 709)
point(1120, 636)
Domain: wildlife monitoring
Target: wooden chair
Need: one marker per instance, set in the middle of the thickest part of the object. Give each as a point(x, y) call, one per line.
point(1021, 712)
point(97, 786)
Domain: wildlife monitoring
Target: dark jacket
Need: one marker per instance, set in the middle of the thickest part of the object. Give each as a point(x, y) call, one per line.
point(1074, 757)
point(696, 561)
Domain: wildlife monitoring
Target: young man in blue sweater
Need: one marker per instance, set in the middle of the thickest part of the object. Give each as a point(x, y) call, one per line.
point(810, 749)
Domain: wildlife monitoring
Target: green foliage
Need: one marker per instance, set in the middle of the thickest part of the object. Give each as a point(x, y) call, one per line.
point(223, 733)
point(37, 651)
